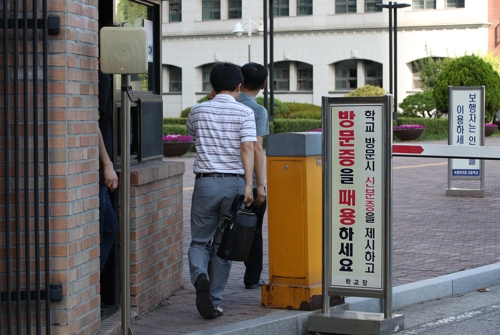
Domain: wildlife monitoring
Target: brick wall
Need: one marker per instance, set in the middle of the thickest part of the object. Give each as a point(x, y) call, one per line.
point(155, 233)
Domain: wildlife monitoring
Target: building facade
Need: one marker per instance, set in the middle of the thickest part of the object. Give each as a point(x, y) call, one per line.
point(321, 47)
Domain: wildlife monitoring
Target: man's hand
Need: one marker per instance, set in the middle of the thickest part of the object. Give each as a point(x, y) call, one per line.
point(110, 177)
point(248, 195)
point(261, 196)
point(211, 95)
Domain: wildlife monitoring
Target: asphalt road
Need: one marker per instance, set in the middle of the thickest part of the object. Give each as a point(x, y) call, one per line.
point(473, 313)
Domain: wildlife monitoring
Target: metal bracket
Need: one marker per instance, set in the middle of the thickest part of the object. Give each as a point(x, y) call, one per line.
point(55, 294)
point(53, 24)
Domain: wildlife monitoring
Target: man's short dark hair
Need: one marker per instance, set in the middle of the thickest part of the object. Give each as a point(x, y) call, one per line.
point(225, 77)
point(255, 75)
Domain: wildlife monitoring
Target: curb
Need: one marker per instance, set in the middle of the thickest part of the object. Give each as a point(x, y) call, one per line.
point(296, 322)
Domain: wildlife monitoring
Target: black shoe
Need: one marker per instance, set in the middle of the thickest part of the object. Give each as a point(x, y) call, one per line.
point(218, 311)
point(254, 286)
point(203, 300)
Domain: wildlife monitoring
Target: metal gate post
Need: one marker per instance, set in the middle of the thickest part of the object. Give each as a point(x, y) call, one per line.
point(125, 205)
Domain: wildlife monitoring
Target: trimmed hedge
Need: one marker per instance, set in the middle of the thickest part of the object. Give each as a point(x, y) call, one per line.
point(299, 125)
point(175, 120)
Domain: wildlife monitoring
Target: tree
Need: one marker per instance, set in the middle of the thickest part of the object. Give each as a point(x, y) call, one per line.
point(430, 68)
point(420, 104)
point(367, 91)
point(468, 71)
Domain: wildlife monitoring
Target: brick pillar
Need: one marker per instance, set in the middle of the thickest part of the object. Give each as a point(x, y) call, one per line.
point(155, 233)
point(73, 167)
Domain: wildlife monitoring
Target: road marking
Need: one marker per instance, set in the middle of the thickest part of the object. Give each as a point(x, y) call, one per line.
point(418, 166)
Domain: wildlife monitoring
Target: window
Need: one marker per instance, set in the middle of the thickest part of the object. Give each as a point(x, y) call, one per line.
point(175, 79)
point(280, 7)
point(346, 75)
point(373, 73)
point(345, 6)
point(415, 71)
point(304, 7)
point(371, 6)
point(205, 70)
point(424, 4)
point(304, 77)
point(140, 15)
point(282, 76)
point(175, 11)
point(210, 10)
point(234, 9)
point(455, 3)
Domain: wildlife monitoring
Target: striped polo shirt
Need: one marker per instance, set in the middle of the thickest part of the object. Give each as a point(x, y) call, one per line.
point(219, 126)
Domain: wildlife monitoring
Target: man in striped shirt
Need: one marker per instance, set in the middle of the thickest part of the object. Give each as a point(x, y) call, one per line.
point(224, 134)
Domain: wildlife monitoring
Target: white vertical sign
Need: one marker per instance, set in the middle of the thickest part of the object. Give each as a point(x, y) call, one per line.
point(357, 199)
point(466, 128)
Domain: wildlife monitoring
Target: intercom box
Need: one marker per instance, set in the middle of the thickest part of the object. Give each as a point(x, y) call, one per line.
point(123, 50)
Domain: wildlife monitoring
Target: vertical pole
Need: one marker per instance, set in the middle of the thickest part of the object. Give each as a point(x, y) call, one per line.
point(327, 205)
point(395, 61)
point(387, 133)
point(271, 59)
point(249, 38)
point(6, 158)
point(265, 52)
point(125, 204)
point(390, 50)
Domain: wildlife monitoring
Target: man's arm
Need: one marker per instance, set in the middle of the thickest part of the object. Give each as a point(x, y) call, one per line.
point(247, 159)
point(110, 177)
point(259, 171)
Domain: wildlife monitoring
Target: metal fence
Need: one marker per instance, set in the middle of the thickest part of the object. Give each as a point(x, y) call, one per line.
point(25, 291)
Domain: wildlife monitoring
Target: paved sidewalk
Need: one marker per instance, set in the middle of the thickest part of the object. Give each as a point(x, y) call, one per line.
point(433, 235)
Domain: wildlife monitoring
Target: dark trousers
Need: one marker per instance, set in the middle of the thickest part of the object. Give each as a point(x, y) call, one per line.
point(108, 224)
point(254, 262)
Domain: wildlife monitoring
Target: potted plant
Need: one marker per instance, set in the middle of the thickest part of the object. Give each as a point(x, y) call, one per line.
point(489, 129)
point(176, 145)
point(408, 132)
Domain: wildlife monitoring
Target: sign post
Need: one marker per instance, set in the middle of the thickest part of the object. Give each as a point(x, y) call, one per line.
point(357, 214)
point(466, 129)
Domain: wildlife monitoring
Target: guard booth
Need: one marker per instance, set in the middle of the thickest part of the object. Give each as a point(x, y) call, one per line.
point(294, 188)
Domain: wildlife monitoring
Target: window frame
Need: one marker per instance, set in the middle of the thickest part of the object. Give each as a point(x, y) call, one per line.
point(347, 66)
point(307, 6)
point(349, 6)
point(206, 86)
point(280, 69)
point(232, 10)
point(423, 4)
point(281, 9)
point(214, 12)
point(457, 4)
point(373, 4)
point(307, 81)
point(378, 79)
point(174, 70)
point(176, 6)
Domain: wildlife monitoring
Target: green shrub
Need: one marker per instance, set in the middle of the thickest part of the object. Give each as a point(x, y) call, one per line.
point(420, 104)
point(279, 107)
point(469, 71)
point(299, 125)
point(185, 112)
point(174, 129)
point(297, 110)
point(367, 91)
point(175, 120)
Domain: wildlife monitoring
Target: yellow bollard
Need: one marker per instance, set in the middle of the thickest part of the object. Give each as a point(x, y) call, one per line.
point(294, 188)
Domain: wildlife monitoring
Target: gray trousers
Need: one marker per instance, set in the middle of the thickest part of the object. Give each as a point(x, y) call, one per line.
point(212, 199)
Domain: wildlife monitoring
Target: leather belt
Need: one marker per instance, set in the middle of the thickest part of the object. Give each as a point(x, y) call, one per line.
point(215, 174)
